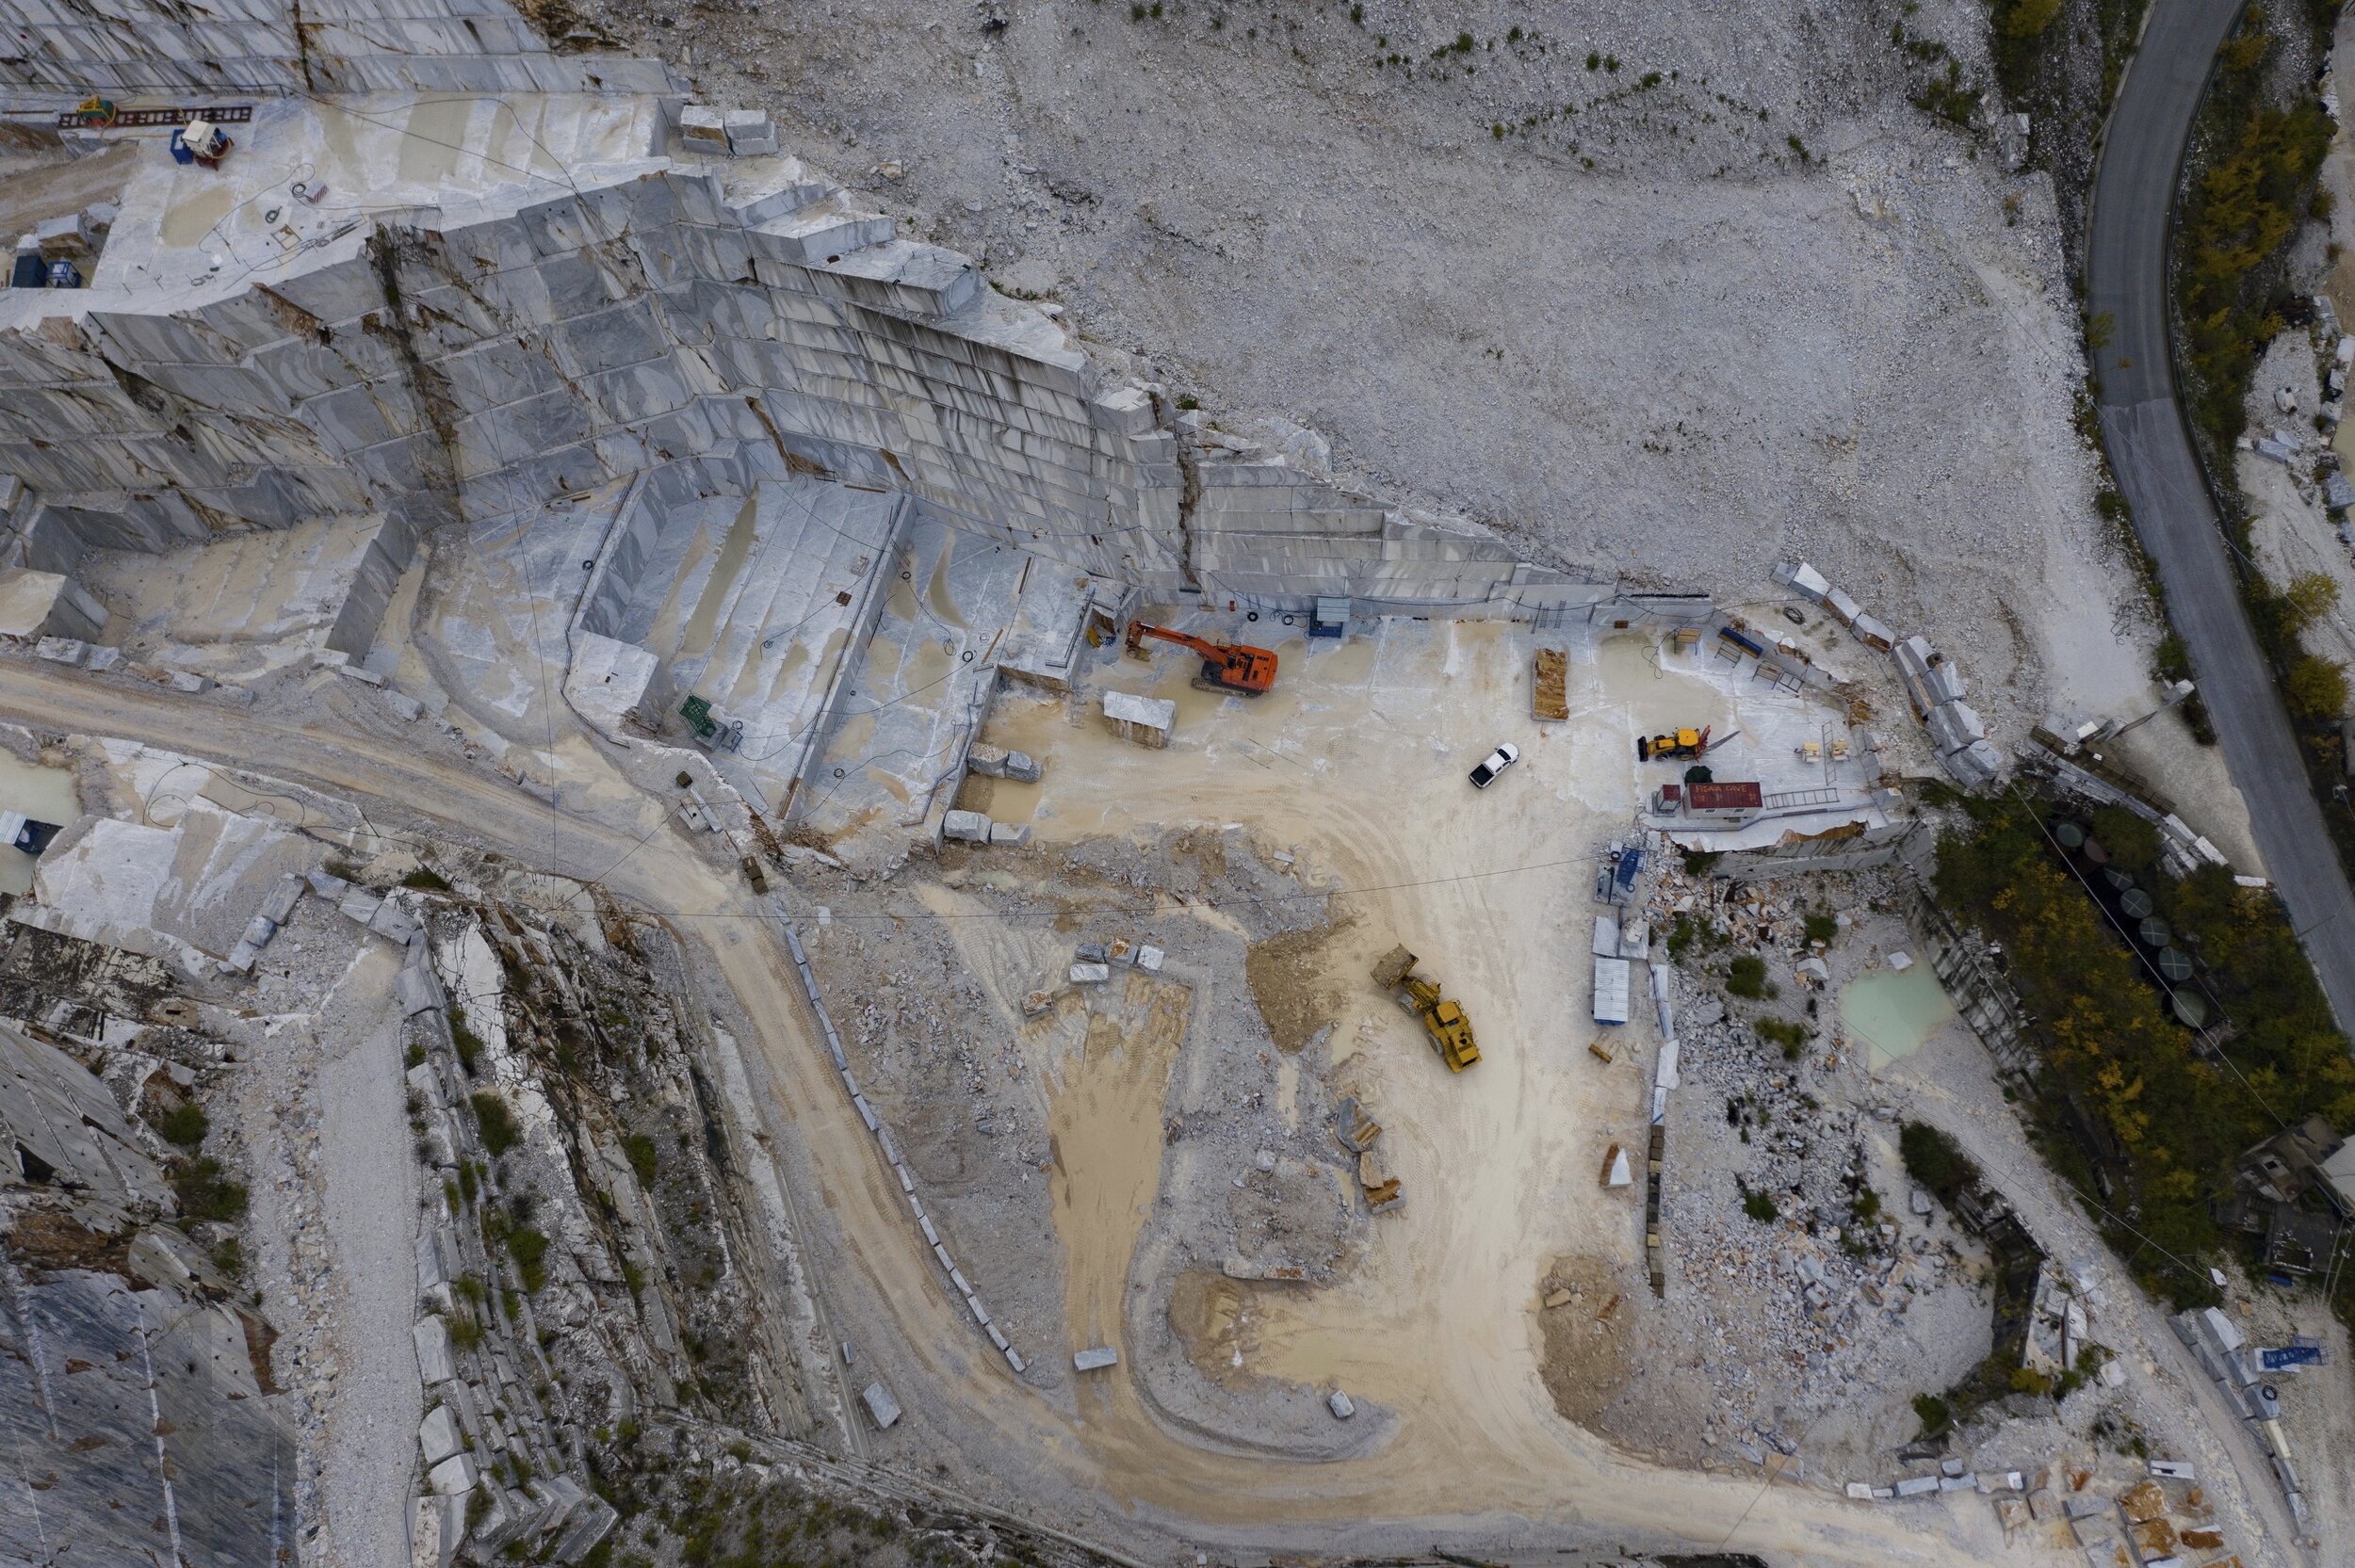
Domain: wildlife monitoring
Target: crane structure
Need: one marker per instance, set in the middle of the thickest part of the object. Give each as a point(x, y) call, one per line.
point(1245, 671)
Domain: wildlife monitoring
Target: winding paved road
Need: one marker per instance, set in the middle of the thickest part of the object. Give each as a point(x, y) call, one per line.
point(2151, 452)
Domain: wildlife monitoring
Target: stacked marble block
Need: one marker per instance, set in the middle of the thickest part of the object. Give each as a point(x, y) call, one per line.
point(974, 827)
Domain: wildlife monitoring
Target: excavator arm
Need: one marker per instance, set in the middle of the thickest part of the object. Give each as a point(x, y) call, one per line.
point(1139, 630)
point(1225, 667)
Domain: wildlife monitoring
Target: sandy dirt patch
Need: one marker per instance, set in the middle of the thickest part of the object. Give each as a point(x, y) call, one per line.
point(1583, 1317)
point(1292, 979)
point(1214, 1320)
point(1106, 1123)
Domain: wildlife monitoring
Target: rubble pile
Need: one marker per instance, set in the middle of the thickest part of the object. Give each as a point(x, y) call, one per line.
point(1830, 1278)
point(890, 1148)
point(1801, 1267)
point(2151, 1522)
point(2313, 464)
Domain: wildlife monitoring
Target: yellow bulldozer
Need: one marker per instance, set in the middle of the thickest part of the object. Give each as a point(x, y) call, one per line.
point(1451, 1031)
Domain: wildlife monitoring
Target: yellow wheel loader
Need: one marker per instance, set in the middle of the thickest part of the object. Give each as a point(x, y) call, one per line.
point(1451, 1031)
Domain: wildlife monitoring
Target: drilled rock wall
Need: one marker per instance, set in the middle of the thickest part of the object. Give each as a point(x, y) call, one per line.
point(271, 46)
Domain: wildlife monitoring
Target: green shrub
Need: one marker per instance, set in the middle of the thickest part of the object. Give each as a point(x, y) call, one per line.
point(639, 1150)
point(1680, 938)
point(426, 880)
point(1760, 1208)
point(2025, 19)
point(1823, 927)
point(2315, 687)
point(529, 1250)
point(184, 1124)
point(203, 1193)
point(1746, 978)
point(2131, 842)
point(2237, 215)
point(468, 1045)
point(2120, 1080)
point(2305, 599)
point(1933, 1413)
point(499, 1132)
point(1934, 1161)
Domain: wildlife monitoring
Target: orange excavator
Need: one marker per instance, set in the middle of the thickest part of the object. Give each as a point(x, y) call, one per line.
point(1245, 671)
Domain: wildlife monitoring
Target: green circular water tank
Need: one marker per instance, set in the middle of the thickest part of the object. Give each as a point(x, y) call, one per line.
point(2068, 835)
point(2135, 903)
point(2174, 964)
point(2120, 881)
point(2191, 1008)
point(2154, 931)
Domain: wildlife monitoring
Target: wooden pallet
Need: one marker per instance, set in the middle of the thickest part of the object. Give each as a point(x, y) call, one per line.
point(1549, 696)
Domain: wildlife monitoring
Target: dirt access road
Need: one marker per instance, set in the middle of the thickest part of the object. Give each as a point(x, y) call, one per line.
point(1513, 1475)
